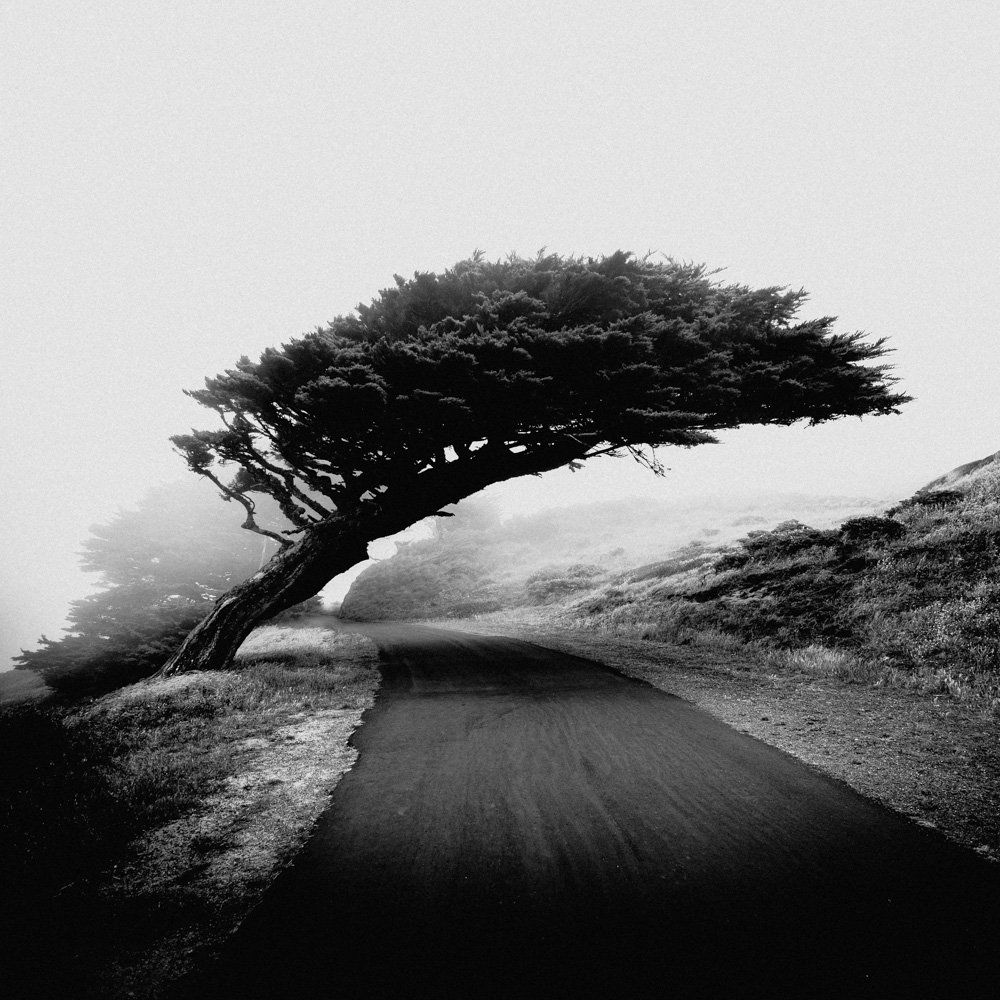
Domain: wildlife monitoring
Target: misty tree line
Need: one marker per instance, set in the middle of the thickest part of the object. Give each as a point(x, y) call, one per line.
point(162, 565)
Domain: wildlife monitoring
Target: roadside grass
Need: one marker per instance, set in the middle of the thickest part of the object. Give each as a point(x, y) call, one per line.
point(623, 613)
point(142, 825)
point(18, 686)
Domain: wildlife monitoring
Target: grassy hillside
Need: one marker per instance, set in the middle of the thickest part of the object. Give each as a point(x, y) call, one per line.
point(478, 563)
point(907, 596)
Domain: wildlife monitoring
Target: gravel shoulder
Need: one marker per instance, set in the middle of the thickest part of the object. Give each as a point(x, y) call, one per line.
point(931, 758)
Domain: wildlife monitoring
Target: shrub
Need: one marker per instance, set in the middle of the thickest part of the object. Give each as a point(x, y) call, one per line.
point(556, 582)
point(934, 499)
point(870, 530)
point(788, 539)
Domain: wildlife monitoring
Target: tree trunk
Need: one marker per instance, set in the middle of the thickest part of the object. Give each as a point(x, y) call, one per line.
point(291, 576)
point(335, 545)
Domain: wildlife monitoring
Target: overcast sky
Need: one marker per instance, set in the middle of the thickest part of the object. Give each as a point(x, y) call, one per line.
point(184, 183)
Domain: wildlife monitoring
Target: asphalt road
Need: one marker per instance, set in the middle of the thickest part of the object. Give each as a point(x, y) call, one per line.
point(523, 823)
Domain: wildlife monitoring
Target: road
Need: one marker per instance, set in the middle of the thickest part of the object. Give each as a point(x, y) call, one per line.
point(524, 823)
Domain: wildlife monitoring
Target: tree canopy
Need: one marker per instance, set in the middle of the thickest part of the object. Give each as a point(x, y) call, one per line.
point(449, 382)
point(517, 366)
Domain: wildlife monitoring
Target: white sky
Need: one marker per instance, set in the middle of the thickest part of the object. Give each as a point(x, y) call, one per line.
point(184, 183)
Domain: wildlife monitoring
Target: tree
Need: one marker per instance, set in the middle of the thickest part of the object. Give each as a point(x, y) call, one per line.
point(449, 382)
point(161, 565)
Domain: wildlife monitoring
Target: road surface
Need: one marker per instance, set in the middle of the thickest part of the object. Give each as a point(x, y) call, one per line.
point(524, 823)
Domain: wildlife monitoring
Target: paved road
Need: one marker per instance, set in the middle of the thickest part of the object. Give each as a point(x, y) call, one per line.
point(523, 823)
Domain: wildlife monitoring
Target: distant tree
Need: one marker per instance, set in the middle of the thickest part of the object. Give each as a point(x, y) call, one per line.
point(449, 382)
point(162, 565)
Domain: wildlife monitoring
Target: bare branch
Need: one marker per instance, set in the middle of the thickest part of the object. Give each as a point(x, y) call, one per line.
point(250, 524)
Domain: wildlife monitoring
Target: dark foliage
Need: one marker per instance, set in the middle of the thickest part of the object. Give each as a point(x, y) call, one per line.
point(449, 382)
point(928, 498)
point(613, 353)
point(869, 530)
point(783, 542)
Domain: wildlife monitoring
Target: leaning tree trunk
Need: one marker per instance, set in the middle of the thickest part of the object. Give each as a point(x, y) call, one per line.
point(293, 575)
point(335, 545)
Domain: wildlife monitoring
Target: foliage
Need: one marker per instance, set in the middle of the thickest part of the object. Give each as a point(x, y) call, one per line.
point(788, 539)
point(162, 565)
point(860, 531)
point(928, 498)
point(555, 582)
point(560, 356)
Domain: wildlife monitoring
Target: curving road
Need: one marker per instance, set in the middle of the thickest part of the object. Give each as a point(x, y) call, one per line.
point(523, 823)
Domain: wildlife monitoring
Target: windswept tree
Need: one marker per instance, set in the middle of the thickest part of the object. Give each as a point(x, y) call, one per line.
point(449, 382)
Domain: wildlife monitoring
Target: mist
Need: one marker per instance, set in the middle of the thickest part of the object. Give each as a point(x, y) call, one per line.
point(189, 186)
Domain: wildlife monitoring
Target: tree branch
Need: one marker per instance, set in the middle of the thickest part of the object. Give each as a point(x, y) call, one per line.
point(250, 524)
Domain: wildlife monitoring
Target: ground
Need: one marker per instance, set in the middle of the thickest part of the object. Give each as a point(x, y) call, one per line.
point(226, 773)
point(932, 758)
point(196, 790)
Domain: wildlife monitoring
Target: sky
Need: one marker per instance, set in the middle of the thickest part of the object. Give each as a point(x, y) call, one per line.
point(185, 183)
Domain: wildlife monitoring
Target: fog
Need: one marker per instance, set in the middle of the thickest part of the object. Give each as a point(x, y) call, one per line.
point(189, 183)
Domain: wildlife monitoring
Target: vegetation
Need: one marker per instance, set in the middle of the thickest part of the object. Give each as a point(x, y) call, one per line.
point(477, 563)
point(162, 566)
point(447, 383)
point(81, 788)
point(911, 597)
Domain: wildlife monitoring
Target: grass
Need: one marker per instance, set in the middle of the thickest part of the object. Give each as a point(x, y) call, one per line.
point(17, 686)
point(144, 823)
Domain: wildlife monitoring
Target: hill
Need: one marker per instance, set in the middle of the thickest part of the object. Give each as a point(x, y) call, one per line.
point(908, 595)
point(478, 562)
point(966, 474)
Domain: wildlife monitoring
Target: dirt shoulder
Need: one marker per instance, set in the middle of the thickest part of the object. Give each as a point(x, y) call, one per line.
point(284, 745)
point(933, 759)
point(173, 804)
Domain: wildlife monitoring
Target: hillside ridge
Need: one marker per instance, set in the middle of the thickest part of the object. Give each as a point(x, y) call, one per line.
point(963, 473)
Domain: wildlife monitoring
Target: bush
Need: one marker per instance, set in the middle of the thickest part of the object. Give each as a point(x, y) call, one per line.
point(555, 582)
point(870, 530)
point(788, 539)
point(933, 499)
